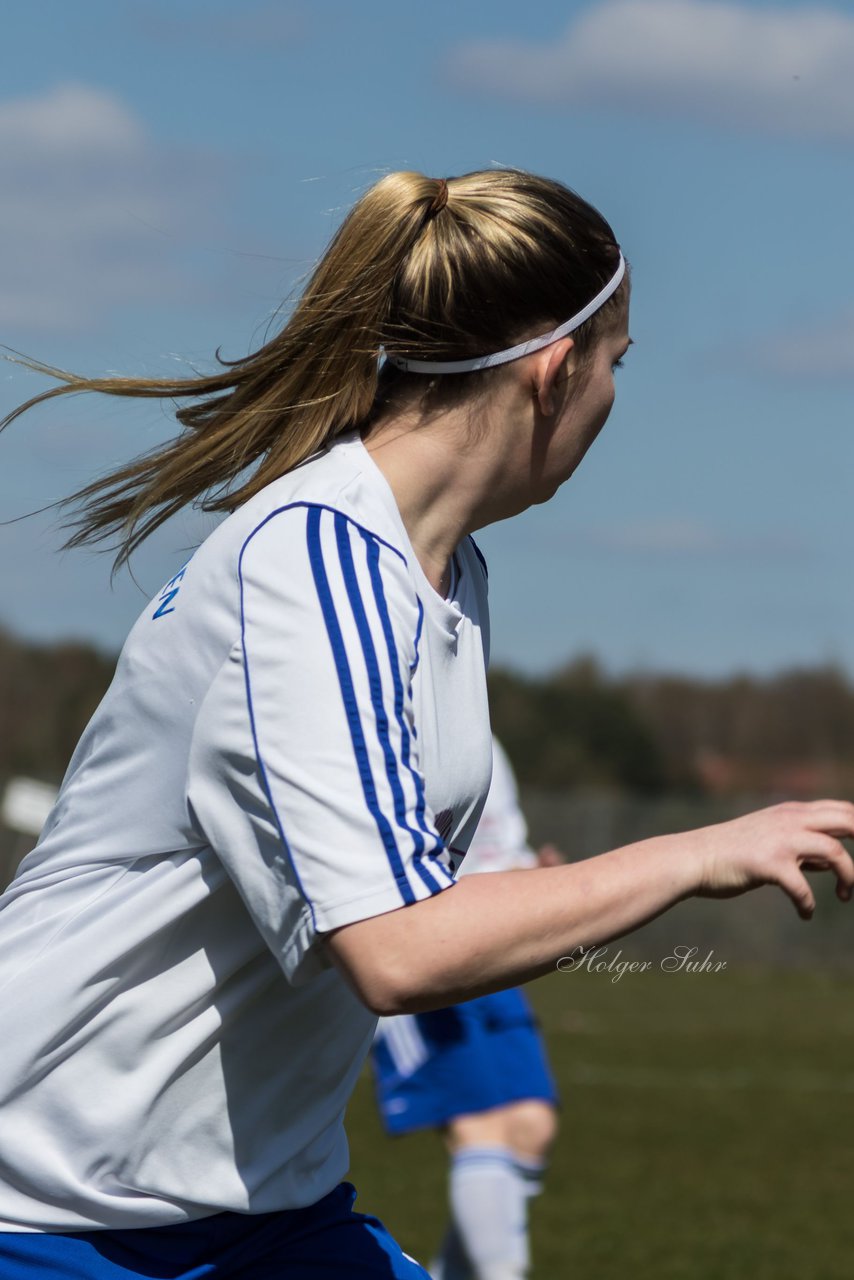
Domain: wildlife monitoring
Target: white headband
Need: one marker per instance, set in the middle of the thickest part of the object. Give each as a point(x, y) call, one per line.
point(523, 348)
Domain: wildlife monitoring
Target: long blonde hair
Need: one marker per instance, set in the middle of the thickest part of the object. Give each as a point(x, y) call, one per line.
point(419, 267)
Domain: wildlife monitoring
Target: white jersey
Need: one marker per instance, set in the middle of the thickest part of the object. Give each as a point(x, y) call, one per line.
point(296, 738)
point(500, 842)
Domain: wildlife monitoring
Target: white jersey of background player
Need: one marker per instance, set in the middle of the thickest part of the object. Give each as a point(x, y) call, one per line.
point(478, 1073)
point(501, 840)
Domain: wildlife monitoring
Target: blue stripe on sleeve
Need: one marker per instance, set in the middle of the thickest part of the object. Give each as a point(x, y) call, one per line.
point(345, 680)
point(345, 551)
point(373, 555)
point(316, 509)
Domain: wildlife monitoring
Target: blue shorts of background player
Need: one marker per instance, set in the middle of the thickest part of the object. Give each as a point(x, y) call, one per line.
point(465, 1059)
point(324, 1241)
point(478, 1072)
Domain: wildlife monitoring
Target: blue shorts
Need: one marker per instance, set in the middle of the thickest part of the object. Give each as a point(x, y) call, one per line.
point(323, 1242)
point(485, 1053)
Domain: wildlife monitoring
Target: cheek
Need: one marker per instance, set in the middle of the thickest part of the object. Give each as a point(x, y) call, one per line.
point(603, 405)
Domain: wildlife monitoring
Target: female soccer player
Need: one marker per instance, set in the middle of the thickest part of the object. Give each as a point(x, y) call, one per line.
point(252, 853)
point(478, 1072)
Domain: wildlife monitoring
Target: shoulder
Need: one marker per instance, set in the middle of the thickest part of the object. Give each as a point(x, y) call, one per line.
point(333, 489)
point(309, 570)
point(306, 509)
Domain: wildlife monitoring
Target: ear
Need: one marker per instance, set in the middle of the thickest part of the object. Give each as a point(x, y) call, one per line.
point(546, 373)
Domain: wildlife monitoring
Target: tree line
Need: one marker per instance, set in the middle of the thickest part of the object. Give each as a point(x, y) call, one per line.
point(47, 696)
point(788, 734)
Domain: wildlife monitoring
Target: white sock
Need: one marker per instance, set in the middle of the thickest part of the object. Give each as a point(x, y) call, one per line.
point(532, 1173)
point(490, 1212)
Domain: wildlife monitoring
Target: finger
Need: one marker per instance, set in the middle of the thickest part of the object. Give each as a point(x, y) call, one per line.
point(836, 817)
point(826, 853)
point(793, 882)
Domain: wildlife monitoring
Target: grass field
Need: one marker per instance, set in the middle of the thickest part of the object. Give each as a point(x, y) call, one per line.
point(708, 1131)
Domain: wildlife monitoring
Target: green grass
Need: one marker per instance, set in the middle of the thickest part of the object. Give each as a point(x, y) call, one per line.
point(707, 1131)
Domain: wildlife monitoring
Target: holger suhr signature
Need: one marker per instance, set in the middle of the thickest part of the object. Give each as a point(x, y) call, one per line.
point(597, 960)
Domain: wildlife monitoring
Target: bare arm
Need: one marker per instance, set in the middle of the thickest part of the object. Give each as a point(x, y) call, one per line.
point(493, 931)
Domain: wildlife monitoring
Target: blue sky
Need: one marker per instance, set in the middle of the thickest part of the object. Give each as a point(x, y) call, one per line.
point(170, 171)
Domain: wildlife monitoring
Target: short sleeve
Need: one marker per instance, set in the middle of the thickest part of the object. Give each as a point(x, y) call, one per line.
point(307, 780)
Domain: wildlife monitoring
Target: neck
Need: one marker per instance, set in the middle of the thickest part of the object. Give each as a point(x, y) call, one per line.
point(445, 485)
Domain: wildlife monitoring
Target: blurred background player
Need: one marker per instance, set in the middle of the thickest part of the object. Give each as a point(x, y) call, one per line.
point(478, 1072)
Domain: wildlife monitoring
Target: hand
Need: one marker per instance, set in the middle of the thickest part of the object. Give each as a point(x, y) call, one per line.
point(776, 846)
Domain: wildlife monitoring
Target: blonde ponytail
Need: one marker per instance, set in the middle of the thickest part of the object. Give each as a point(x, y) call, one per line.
point(276, 407)
point(419, 265)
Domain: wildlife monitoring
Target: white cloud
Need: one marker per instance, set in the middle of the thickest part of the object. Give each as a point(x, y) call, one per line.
point(826, 352)
point(786, 71)
point(89, 212)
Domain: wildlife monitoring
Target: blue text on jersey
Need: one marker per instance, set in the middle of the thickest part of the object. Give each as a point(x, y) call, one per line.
point(168, 594)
